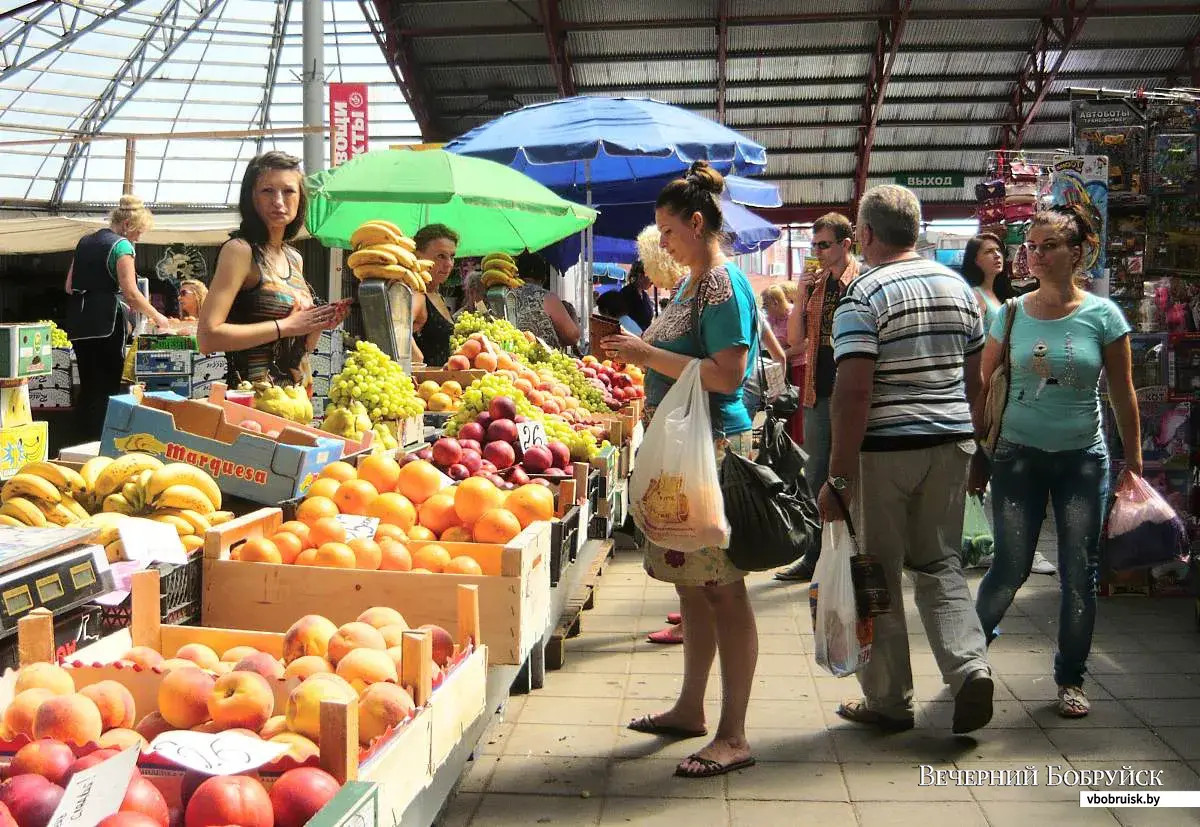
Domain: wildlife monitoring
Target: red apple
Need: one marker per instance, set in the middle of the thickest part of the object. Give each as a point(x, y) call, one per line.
point(425, 454)
point(473, 459)
point(497, 481)
point(300, 793)
point(518, 476)
point(470, 445)
point(458, 471)
point(502, 407)
point(501, 430)
point(31, 799)
point(560, 452)
point(536, 459)
point(500, 454)
point(483, 420)
point(443, 643)
point(447, 452)
point(471, 432)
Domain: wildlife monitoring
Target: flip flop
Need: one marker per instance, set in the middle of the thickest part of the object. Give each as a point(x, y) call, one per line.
point(710, 768)
point(648, 726)
point(674, 618)
point(671, 634)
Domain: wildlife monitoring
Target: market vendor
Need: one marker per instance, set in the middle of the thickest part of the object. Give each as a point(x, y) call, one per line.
point(260, 310)
point(102, 284)
point(431, 319)
point(540, 311)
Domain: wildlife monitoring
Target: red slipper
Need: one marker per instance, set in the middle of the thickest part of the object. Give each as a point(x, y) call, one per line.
point(671, 634)
point(674, 618)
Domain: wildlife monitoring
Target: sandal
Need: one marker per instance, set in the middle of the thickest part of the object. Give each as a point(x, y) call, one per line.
point(857, 711)
point(647, 725)
point(671, 634)
point(710, 768)
point(1072, 702)
point(674, 618)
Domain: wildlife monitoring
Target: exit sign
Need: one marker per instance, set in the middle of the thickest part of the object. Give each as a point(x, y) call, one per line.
point(926, 180)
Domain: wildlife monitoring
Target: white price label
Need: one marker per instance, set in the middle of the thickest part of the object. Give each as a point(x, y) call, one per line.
point(97, 792)
point(358, 527)
point(225, 753)
point(530, 434)
point(151, 541)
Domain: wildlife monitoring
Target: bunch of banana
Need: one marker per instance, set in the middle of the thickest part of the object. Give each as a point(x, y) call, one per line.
point(382, 251)
point(43, 494)
point(500, 270)
point(290, 402)
point(180, 495)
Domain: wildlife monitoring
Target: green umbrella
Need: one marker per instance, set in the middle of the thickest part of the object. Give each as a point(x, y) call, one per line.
point(493, 208)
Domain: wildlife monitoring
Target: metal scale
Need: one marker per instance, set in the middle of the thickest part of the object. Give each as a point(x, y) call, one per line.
point(386, 308)
point(502, 303)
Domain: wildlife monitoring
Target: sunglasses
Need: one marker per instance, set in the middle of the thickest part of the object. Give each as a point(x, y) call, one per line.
point(825, 245)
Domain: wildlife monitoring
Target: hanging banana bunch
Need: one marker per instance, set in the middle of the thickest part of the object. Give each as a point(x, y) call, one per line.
point(382, 251)
point(500, 270)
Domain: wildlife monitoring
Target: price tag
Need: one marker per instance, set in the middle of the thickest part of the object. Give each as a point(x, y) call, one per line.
point(358, 527)
point(151, 541)
point(97, 792)
point(530, 434)
point(445, 481)
point(225, 753)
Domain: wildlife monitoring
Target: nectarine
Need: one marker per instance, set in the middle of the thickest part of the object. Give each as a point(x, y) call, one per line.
point(229, 799)
point(382, 706)
point(73, 719)
point(241, 699)
point(363, 667)
point(353, 636)
point(46, 757)
point(114, 701)
point(299, 794)
point(44, 676)
point(307, 636)
point(183, 697)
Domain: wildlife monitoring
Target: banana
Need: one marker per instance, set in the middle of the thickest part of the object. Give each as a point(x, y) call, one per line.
point(407, 243)
point(10, 522)
point(182, 527)
point(186, 497)
point(424, 264)
point(92, 468)
point(22, 509)
point(192, 543)
point(114, 551)
point(31, 487)
point(404, 257)
point(178, 473)
point(106, 523)
point(370, 255)
point(396, 231)
point(57, 514)
point(198, 522)
point(135, 495)
point(67, 480)
point(219, 517)
point(504, 258)
point(370, 234)
point(496, 263)
point(392, 272)
point(116, 503)
point(78, 510)
point(122, 471)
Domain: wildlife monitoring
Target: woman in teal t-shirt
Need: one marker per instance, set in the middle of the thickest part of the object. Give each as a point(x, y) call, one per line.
point(1050, 439)
point(711, 317)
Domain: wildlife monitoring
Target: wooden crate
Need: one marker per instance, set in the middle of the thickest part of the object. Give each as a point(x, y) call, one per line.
point(514, 591)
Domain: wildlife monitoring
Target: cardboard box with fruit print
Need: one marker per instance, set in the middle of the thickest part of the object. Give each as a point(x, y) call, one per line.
point(22, 445)
point(321, 703)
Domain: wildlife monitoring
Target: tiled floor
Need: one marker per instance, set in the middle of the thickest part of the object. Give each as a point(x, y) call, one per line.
point(563, 756)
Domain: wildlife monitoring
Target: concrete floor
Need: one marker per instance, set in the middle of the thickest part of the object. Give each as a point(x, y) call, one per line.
point(563, 756)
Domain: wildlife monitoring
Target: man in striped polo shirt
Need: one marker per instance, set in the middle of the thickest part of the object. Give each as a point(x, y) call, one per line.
point(907, 340)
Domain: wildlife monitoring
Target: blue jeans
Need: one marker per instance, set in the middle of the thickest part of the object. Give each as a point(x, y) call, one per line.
point(1076, 482)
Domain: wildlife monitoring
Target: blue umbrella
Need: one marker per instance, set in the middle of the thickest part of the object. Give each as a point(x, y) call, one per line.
point(587, 140)
point(741, 190)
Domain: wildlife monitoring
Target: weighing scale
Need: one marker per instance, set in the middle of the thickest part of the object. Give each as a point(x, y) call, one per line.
point(502, 303)
point(386, 308)
point(49, 568)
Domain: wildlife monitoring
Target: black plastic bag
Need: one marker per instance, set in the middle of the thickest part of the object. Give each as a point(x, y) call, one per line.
point(783, 456)
point(770, 525)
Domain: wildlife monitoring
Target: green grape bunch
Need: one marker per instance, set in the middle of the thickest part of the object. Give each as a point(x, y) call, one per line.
point(503, 334)
point(58, 336)
point(371, 378)
point(581, 388)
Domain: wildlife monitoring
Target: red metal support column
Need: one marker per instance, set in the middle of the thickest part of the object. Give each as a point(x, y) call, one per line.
point(1187, 69)
point(722, 56)
point(556, 44)
point(880, 72)
point(397, 50)
point(1056, 33)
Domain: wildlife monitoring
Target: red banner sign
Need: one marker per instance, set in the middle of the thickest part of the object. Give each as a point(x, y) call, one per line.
point(348, 121)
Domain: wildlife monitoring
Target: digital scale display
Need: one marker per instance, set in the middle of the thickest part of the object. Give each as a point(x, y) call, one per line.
point(17, 601)
point(50, 588)
point(54, 569)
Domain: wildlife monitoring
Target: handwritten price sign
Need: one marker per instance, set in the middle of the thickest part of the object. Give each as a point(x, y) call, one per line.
point(225, 753)
point(530, 434)
point(358, 527)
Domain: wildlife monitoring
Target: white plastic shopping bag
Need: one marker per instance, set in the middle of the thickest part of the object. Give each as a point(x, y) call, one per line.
point(842, 642)
point(675, 491)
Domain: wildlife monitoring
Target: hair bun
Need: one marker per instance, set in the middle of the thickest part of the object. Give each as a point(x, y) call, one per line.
point(702, 175)
point(130, 203)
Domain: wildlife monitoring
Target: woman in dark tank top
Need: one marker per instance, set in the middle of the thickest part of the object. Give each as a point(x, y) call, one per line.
point(432, 323)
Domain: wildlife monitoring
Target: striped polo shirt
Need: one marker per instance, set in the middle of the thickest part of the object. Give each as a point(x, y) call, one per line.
point(918, 320)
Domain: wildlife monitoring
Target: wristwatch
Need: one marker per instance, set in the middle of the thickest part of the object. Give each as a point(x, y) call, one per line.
point(839, 483)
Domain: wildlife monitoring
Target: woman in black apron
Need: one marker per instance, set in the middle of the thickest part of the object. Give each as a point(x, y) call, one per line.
point(102, 283)
point(432, 324)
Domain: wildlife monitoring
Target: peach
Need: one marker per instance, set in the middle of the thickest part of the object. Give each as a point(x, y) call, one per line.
point(307, 666)
point(304, 704)
point(73, 719)
point(44, 676)
point(221, 668)
point(274, 725)
point(237, 653)
point(143, 656)
point(443, 644)
point(363, 667)
point(380, 616)
point(122, 738)
point(393, 635)
point(208, 728)
point(382, 706)
point(46, 757)
point(307, 636)
point(171, 664)
point(299, 747)
point(262, 664)
point(199, 654)
point(396, 653)
point(241, 699)
point(183, 697)
point(114, 701)
point(152, 726)
point(354, 636)
point(18, 718)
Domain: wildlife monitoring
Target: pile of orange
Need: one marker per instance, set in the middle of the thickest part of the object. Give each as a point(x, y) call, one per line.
point(412, 505)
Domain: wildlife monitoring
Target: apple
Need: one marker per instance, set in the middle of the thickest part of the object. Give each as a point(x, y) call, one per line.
point(502, 407)
point(31, 799)
point(425, 454)
point(458, 471)
point(487, 466)
point(545, 483)
point(500, 454)
point(472, 458)
point(497, 481)
point(501, 430)
point(447, 452)
point(483, 420)
point(560, 452)
point(537, 458)
point(589, 372)
point(518, 476)
point(556, 472)
point(520, 418)
point(472, 432)
point(482, 473)
point(471, 445)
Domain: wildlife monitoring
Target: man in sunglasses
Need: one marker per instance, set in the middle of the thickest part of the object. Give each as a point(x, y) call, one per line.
point(809, 332)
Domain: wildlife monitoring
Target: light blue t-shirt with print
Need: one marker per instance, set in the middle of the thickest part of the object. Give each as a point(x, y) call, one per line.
point(1054, 395)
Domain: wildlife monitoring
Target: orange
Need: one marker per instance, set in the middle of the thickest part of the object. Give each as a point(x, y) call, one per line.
point(313, 509)
point(497, 526)
point(340, 471)
point(470, 348)
point(437, 513)
point(393, 509)
point(395, 556)
point(432, 557)
point(420, 532)
point(387, 531)
point(335, 556)
point(308, 557)
point(327, 530)
point(463, 564)
point(456, 534)
point(323, 487)
point(299, 529)
point(531, 503)
point(289, 546)
point(259, 550)
point(367, 553)
point(355, 497)
point(475, 495)
point(486, 361)
point(381, 471)
point(419, 480)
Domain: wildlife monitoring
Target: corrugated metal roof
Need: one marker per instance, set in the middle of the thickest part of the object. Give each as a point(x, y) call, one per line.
point(590, 11)
point(811, 163)
point(437, 15)
point(793, 115)
point(943, 111)
point(768, 94)
point(658, 43)
point(819, 191)
point(958, 64)
point(883, 161)
point(446, 50)
point(797, 68)
point(900, 88)
point(829, 138)
point(1120, 60)
point(857, 34)
point(1001, 34)
point(626, 73)
point(1178, 28)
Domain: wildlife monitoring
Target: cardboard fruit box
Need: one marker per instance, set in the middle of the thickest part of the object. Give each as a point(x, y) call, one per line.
point(514, 590)
point(25, 350)
point(22, 445)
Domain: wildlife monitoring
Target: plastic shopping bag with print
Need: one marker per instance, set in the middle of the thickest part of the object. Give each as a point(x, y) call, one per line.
point(842, 641)
point(1143, 529)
